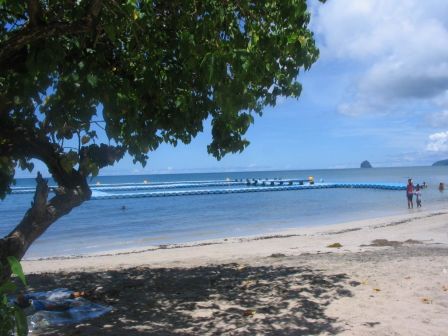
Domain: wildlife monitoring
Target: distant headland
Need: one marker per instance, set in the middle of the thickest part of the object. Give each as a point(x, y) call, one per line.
point(441, 163)
point(366, 164)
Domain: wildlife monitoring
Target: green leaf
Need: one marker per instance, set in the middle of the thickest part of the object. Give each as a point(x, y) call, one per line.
point(92, 79)
point(66, 164)
point(16, 268)
point(211, 68)
point(7, 288)
point(292, 38)
point(303, 40)
point(21, 322)
point(246, 65)
point(110, 32)
point(85, 139)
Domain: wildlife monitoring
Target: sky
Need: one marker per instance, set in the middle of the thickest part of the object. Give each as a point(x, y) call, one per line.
point(378, 92)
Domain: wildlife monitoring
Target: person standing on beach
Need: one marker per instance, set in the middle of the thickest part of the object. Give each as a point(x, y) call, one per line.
point(410, 194)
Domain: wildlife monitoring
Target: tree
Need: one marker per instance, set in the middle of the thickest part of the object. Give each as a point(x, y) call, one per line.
point(147, 72)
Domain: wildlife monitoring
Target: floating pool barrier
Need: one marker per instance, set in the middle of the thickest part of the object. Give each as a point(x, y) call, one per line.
point(100, 195)
point(216, 187)
point(143, 186)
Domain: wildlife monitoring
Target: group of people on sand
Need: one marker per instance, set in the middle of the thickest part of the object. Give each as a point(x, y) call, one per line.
point(412, 190)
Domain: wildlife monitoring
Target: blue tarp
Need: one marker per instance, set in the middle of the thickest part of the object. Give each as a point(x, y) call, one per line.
point(74, 310)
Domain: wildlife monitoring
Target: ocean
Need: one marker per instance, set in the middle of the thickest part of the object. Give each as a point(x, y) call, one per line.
point(103, 225)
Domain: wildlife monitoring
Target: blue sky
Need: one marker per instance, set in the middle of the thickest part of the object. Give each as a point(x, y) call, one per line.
point(378, 92)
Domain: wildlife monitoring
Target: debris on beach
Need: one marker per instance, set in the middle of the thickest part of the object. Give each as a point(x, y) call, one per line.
point(335, 245)
point(277, 255)
point(354, 283)
point(384, 243)
point(246, 284)
point(426, 300)
point(392, 243)
point(249, 313)
point(240, 267)
point(413, 241)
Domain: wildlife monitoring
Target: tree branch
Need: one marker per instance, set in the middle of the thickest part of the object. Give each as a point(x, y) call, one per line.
point(26, 142)
point(12, 48)
point(40, 196)
point(34, 13)
point(40, 216)
point(95, 8)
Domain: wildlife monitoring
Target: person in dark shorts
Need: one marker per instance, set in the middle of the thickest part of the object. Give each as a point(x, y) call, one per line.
point(410, 193)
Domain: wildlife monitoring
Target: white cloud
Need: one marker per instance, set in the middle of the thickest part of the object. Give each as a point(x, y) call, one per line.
point(438, 142)
point(401, 46)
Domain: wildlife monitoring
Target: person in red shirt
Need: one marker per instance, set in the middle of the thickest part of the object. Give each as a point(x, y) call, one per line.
point(410, 194)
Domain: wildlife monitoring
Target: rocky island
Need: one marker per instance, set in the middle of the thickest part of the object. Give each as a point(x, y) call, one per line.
point(440, 163)
point(366, 164)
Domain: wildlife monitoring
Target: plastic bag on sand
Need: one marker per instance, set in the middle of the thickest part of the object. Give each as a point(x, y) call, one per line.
point(78, 310)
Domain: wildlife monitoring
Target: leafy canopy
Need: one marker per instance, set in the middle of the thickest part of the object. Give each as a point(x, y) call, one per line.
point(157, 69)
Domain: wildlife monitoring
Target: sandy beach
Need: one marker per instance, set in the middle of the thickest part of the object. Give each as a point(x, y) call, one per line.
point(385, 276)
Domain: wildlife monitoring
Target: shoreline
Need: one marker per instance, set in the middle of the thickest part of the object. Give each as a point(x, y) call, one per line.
point(290, 229)
point(355, 236)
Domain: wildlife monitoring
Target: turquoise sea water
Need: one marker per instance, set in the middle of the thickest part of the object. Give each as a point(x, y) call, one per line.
point(102, 225)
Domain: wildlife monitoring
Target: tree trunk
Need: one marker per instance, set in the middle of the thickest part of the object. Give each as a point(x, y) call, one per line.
point(38, 218)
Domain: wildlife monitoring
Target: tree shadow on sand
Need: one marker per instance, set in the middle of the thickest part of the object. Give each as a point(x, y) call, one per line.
point(226, 299)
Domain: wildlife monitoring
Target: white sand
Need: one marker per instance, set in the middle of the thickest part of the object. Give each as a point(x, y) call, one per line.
point(428, 227)
point(397, 288)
